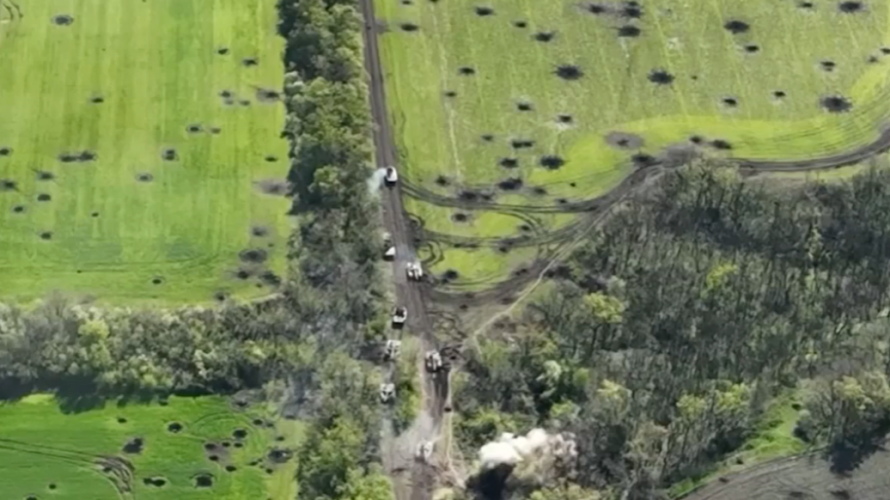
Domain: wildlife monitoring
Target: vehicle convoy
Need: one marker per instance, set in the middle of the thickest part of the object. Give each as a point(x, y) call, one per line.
point(399, 316)
point(432, 360)
point(387, 392)
point(415, 272)
point(390, 176)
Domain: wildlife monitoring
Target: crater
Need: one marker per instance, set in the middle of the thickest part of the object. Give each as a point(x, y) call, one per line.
point(5, 151)
point(520, 24)
point(544, 36)
point(169, 154)
point(44, 197)
point(737, 27)
point(134, 446)
point(660, 77)
point(629, 31)
point(156, 482)
point(510, 184)
point(248, 62)
point(524, 106)
point(409, 27)
point(63, 20)
point(254, 255)
point(174, 427)
point(850, 7)
point(466, 71)
point(144, 177)
point(721, 144)
point(521, 143)
point(551, 162)
point(203, 481)
point(624, 140)
point(828, 66)
point(460, 217)
point(569, 72)
point(484, 11)
point(836, 104)
point(509, 162)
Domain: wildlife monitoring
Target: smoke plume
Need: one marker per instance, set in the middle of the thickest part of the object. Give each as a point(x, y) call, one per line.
point(375, 181)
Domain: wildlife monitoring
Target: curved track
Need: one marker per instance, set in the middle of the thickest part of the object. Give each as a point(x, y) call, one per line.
point(414, 241)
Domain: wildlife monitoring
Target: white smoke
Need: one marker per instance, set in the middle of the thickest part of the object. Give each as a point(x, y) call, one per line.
point(375, 181)
point(510, 449)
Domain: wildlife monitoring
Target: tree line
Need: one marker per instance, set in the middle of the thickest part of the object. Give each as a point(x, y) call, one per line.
point(674, 325)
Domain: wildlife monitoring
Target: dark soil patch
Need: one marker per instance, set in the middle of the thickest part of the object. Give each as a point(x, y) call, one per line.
point(629, 31)
point(194, 128)
point(660, 77)
point(157, 482)
point(409, 27)
point(836, 104)
point(544, 36)
point(737, 27)
point(752, 48)
point(524, 106)
point(565, 119)
point(643, 160)
point(569, 72)
point(44, 197)
point(730, 102)
point(46, 235)
point(97, 99)
point(632, 10)
point(8, 185)
point(174, 427)
point(18, 209)
point(254, 255)
point(521, 143)
point(511, 184)
point(551, 162)
point(134, 445)
point(483, 11)
point(460, 217)
point(520, 24)
point(487, 137)
point(144, 177)
point(157, 280)
point(43, 175)
point(509, 162)
point(624, 140)
point(248, 62)
point(450, 275)
point(850, 7)
point(222, 51)
point(466, 71)
point(828, 66)
point(169, 154)
point(63, 20)
point(5, 151)
point(203, 481)
point(721, 144)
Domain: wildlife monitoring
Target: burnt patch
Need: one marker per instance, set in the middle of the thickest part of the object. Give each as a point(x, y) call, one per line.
point(524, 106)
point(483, 11)
point(169, 154)
point(145, 177)
point(43, 175)
point(721, 144)
point(828, 66)
point(520, 24)
point(730, 102)
point(551, 162)
point(44, 197)
point(629, 31)
point(836, 104)
point(63, 20)
point(850, 7)
point(156, 482)
point(737, 27)
point(194, 128)
point(544, 36)
point(510, 184)
point(508, 162)
point(521, 143)
point(569, 72)
point(409, 27)
point(134, 446)
point(46, 235)
point(267, 95)
point(460, 217)
point(660, 77)
point(442, 181)
point(624, 140)
point(253, 256)
point(249, 62)
point(203, 481)
point(466, 71)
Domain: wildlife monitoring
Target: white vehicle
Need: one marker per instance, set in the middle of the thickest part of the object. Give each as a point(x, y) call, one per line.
point(390, 176)
point(390, 253)
point(415, 272)
point(393, 349)
point(432, 360)
point(425, 451)
point(399, 315)
point(387, 392)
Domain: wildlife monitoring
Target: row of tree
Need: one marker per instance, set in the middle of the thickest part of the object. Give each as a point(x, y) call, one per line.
point(689, 311)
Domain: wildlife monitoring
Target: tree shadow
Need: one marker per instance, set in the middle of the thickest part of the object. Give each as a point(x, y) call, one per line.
point(849, 455)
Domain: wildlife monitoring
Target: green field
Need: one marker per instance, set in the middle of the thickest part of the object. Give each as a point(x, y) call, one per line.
point(49, 454)
point(126, 81)
point(750, 79)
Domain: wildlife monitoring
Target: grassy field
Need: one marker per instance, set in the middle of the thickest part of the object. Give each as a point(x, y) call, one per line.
point(569, 96)
point(124, 171)
point(49, 454)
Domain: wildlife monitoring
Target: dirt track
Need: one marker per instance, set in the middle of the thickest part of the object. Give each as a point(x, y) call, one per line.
point(802, 478)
